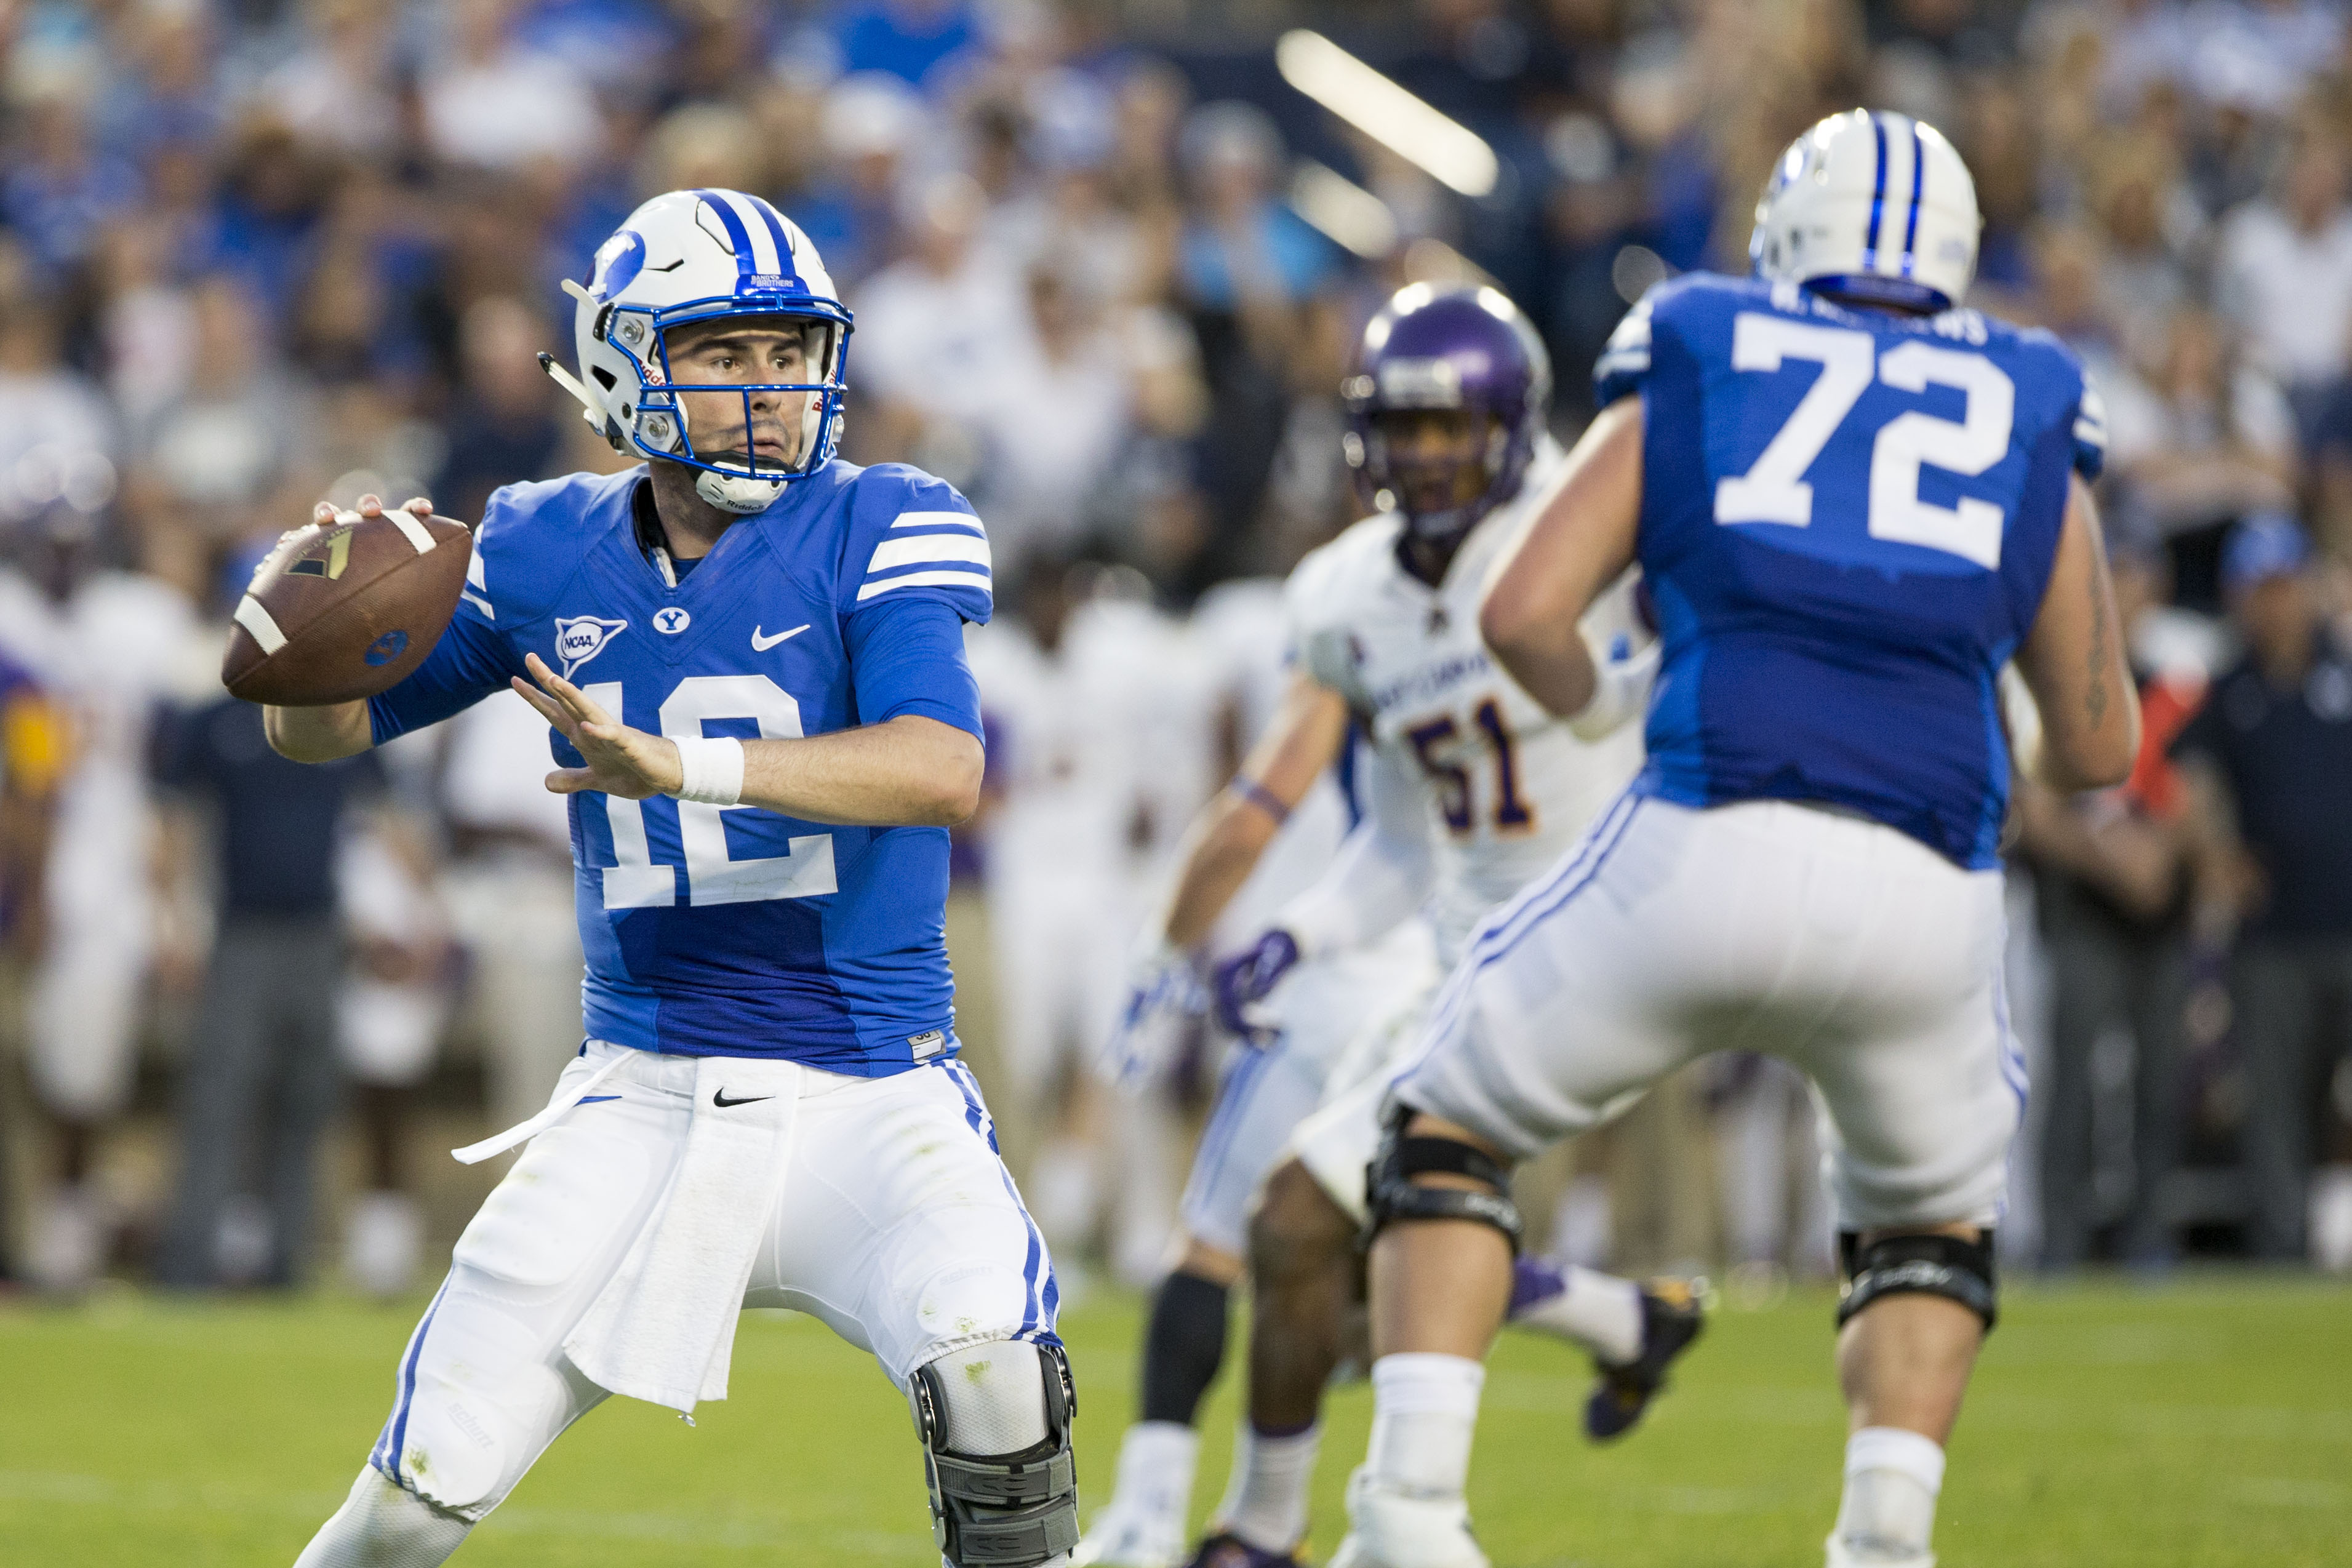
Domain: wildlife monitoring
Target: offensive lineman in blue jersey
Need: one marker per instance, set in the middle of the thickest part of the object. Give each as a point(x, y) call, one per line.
point(751, 657)
point(1852, 503)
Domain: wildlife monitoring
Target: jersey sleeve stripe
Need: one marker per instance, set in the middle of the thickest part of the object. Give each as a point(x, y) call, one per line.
point(926, 580)
point(937, 519)
point(892, 552)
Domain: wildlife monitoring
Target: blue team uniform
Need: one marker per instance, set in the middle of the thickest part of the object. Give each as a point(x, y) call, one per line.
point(738, 932)
point(1848, 520)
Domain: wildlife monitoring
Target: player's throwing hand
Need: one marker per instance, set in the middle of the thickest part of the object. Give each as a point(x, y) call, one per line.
point(621, 761)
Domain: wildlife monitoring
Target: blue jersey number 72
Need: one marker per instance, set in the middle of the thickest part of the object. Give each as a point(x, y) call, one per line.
point(1774, 489)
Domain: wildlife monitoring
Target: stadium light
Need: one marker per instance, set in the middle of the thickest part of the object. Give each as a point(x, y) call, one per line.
point(1448, 152)
point(1348, 214)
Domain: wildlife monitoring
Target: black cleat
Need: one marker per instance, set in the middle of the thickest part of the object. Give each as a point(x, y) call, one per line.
point(1673, 1314)
point(1222, 1550)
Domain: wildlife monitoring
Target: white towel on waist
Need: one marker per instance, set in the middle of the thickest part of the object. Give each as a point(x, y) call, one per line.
point(663, 1328)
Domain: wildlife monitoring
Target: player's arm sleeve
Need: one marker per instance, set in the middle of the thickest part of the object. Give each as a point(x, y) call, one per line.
point(1624, 362)
point(906, 656)
point(1380, 875)
point(913, 537)
point(468, 664)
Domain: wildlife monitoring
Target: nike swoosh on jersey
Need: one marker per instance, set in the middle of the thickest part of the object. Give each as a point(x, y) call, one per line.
point(761, 644)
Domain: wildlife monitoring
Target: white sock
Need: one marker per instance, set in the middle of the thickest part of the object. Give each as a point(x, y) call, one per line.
point(1425, 1410)
point(1892, 1479)
point(1599, 1311)
point(1266, 1503)
point(1156, 1460)
point(382, 1526)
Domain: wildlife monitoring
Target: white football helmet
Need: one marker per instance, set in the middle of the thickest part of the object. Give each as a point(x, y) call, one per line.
point(1873, 205)
point(687, 256)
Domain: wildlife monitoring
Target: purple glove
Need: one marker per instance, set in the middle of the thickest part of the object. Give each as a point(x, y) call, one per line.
point(1247, 978)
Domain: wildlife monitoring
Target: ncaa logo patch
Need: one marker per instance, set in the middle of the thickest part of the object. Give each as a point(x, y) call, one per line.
point(580, 638)
point(672, 620)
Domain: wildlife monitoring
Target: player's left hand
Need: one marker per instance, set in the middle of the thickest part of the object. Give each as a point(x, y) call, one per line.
point(623, 761)
point(1245, 980)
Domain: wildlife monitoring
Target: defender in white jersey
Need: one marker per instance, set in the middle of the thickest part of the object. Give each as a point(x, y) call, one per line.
point(1855, 504)
point(1449, 434)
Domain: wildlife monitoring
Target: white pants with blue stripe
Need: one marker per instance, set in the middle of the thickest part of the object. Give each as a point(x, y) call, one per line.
point(896, 1225)
point(1325, 1011)
point(1850, 950)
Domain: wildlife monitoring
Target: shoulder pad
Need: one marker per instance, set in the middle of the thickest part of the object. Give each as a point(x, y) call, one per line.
point(910, 532)
point(1626, 362)
point(533, 539)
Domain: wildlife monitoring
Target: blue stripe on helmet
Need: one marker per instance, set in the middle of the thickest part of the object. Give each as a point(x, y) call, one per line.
point(1918, 189)
point(746, 264)
point(775, 221)
point(1877, 195)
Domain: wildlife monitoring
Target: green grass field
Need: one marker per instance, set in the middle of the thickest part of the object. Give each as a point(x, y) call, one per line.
point(2205, 1423)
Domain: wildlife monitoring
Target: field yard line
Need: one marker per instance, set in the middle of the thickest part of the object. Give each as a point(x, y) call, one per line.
point(164, 1496)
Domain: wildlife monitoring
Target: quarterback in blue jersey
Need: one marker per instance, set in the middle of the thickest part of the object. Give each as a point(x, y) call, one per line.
point(1853, 503)
point(750, 656)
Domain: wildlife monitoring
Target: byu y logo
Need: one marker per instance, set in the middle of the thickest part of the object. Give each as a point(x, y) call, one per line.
point(671, 619)
point(580, 638)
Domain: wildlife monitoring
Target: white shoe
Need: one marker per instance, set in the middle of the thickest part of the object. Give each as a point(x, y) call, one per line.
point(1129, 1537)
point(382, 1241)
point(1391, 1529)
point(68, 1243)
point(1843, 1554)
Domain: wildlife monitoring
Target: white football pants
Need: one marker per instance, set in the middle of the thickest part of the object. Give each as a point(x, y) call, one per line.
point(1323, 1009)
point(1849, 950)
point(896, 1224)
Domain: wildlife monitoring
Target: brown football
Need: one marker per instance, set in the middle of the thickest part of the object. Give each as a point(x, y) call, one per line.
point(346, 609)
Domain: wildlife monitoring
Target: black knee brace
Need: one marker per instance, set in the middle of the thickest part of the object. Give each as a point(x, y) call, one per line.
point(1390, 1193)
point(1002, 1511)
point(1942, 1266)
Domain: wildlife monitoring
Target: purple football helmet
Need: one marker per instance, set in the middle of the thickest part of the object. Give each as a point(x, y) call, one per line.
point(1455, 349)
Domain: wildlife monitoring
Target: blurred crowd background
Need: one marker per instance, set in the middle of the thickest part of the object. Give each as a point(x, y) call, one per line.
point(1108, 269)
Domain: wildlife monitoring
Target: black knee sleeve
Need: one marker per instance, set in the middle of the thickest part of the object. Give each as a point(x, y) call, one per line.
point(1942, 1266)
point(1390, 1193)
point(1183, 1347)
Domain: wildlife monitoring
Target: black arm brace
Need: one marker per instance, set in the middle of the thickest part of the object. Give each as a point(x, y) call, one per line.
point(1391, 1195)
point(1942, 1266)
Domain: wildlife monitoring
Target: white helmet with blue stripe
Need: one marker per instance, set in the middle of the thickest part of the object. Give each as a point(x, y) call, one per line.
point(693, 255)
point(1872, 207)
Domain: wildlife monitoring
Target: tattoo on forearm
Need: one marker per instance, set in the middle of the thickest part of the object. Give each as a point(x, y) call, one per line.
point(2095, 700)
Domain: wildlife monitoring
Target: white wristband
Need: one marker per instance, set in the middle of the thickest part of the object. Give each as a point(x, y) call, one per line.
point(712, 771)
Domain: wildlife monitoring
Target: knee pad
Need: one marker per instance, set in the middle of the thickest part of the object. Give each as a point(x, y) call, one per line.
point(382, 1526)
point(1392, 1194)
point(994, 1420)
point(1942, 1266)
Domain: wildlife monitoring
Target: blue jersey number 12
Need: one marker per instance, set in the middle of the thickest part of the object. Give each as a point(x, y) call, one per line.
point(1774, 490)
point(712, 876)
